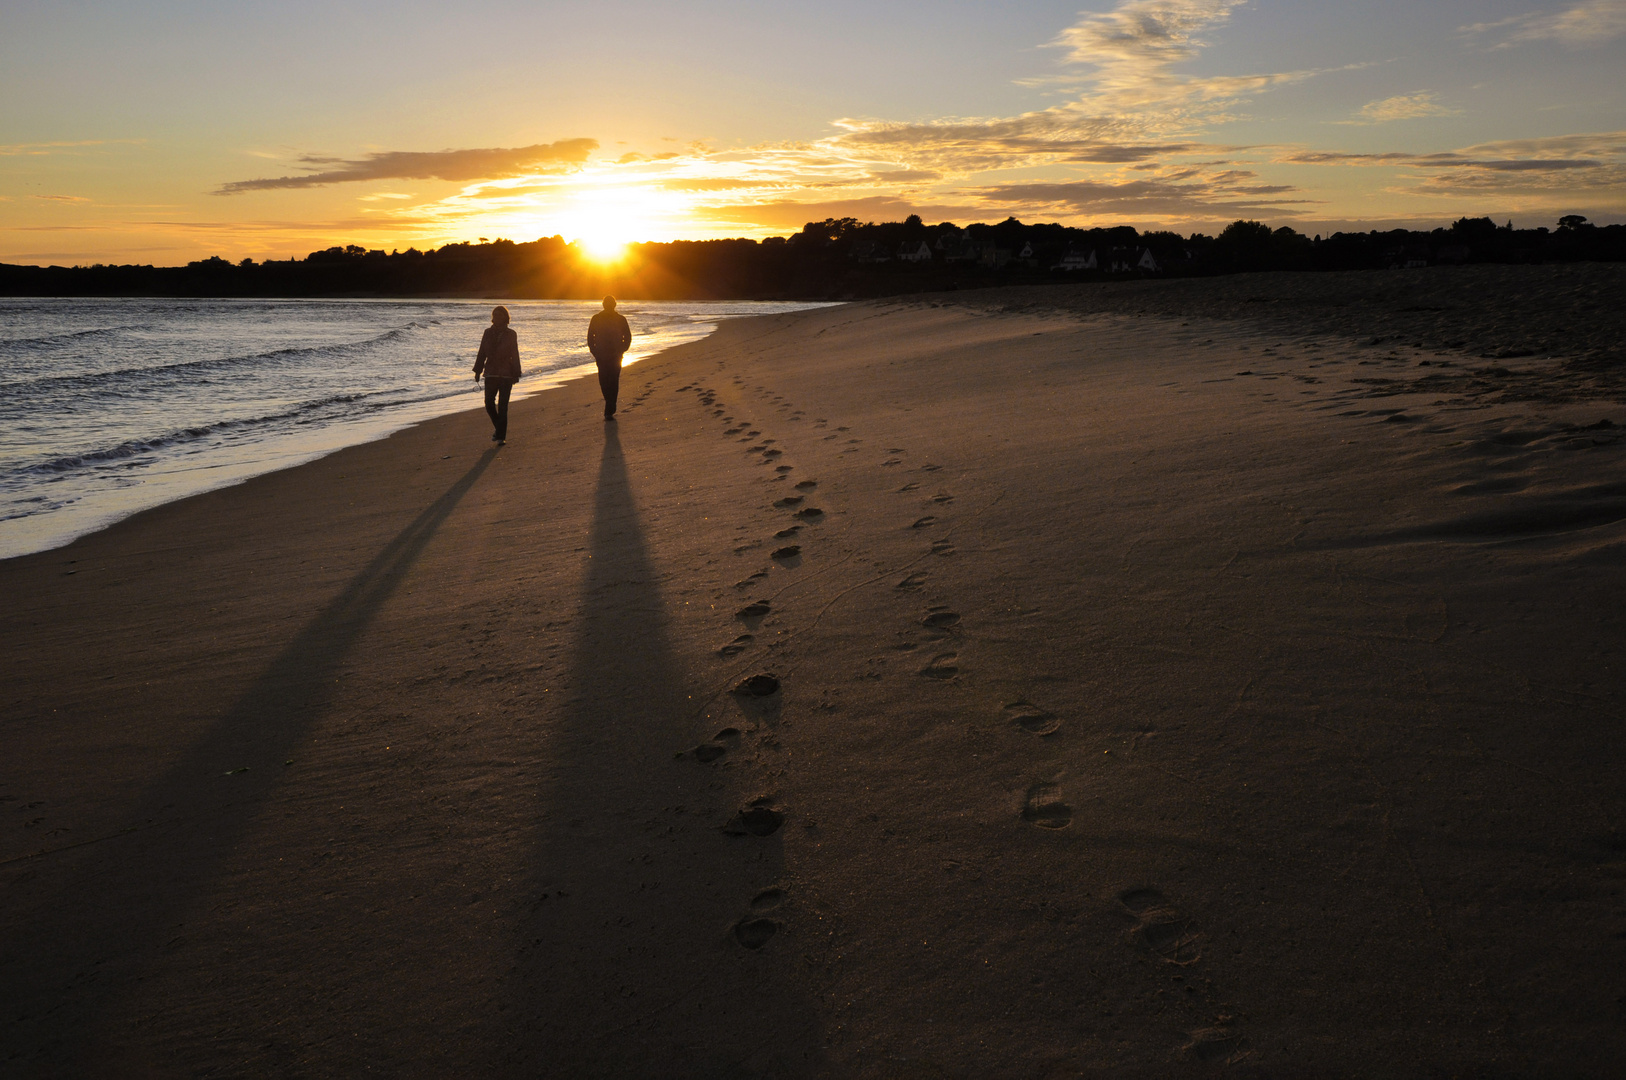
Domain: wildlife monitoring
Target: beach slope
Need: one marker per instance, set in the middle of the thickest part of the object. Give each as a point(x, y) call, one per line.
point(899, 689)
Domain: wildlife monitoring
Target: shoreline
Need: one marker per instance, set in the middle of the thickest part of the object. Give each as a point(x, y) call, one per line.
point(1148, 693)
point(86, 490)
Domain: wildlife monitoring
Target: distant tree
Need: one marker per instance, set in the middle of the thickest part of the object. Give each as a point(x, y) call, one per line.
point(1571, 222)
point(1471, 229)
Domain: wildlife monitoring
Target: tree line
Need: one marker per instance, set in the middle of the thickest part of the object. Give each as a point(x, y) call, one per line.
point(838, 258)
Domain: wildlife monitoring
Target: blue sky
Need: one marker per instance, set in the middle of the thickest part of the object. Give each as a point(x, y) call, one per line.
point(166, 132)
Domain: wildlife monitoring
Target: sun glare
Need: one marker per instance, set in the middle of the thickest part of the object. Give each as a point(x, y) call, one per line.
point(603, 249)
point(604, 221)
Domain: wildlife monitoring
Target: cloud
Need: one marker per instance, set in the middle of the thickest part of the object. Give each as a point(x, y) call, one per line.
point(41, 149)
point(1402, 107)
point(1133, 50)
point(63, 198)
point(1141, 199)
point(1552, 165)
point(1592, 22)
point(453, 165)
point(792, 215)
point(1132, 104)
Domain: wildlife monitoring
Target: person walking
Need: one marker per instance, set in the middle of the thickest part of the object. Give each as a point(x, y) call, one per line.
point(499, 360)
point(608, 339)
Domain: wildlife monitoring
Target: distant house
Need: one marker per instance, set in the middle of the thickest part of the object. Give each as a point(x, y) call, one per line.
point(992, 255)
point(868, 251)
point(1026, 256)
point(1077, 260)
point(914, 251)
point(957, 247)
point(1408, 258)
point(1127, 260)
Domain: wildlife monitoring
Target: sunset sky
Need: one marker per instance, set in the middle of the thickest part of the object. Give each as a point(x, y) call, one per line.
point(170, 131)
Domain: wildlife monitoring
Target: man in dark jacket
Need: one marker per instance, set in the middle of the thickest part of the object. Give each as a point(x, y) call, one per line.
point(608, 338)
point(499, 360)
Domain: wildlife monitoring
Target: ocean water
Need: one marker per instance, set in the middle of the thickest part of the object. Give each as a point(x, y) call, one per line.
point(110, 407)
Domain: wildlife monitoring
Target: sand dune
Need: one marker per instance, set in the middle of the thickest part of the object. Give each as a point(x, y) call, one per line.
point(901, 689)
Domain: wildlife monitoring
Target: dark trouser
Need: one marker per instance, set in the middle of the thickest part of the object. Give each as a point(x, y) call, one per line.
point(497, 391)
point(609, 381)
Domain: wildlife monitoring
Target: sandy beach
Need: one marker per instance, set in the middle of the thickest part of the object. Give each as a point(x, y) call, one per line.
point(1069, 681)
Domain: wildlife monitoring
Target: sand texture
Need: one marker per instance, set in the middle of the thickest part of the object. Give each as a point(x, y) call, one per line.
point(897, 690)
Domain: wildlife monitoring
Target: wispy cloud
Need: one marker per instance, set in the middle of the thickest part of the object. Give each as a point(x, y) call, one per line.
point(1145, 198)
point(1402, 107)
point(1590, 23)
point(1554, 165)
point(454, 165)
point(1130, 55)
point(1132, 104)
point(42, 149)
point(63, 198)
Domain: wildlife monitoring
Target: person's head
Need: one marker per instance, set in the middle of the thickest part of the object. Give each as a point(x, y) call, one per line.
point(499, 316)
point(609, 303)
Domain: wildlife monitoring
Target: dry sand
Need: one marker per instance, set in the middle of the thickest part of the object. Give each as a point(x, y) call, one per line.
point(1156, 695)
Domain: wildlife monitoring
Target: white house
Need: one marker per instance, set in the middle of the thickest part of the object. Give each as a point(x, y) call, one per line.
point(914, 251)
point(1125, 260)
point(1077, 260)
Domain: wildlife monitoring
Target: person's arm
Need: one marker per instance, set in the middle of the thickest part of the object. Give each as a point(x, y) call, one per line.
point(481, 356)
point(592, 333)
point(626, 335)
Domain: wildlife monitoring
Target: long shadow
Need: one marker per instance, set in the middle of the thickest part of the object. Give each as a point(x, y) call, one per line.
point(630, 959)
point(93, 940)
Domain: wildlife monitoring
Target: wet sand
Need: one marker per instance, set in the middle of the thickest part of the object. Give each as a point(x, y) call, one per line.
point(1150, 695)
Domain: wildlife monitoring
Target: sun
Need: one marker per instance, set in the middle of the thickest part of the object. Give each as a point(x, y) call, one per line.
point(603, 221)
point(603, 248)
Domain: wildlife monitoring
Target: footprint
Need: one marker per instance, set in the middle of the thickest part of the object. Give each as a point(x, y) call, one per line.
point(737, 646)
point(941, 667)
point(807, 485)
point(755, 933)
point(783, 533)
point(758, 819)
point(756, 609)
point(1160, 927)
point(1221, 1045)
point(758, 686)
point(784, 468)
point(767, 899)
point(1032, 719)
point(790, 500)
point(721, 743)
point(1044, 807)
point(810, 513)
point(943, 497)
point(913, 581)
point(772, 453)
point(941, 619)
point(930, 468)
point(942, 547)
point(891, 461)
point(908, 487)
point(789, 551)
point(921, 523)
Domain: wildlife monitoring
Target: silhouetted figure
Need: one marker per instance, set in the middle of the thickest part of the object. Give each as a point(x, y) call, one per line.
point(608, 339)
point(499, 359)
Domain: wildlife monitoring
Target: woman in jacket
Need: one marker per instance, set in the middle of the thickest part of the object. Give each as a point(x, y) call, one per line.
point(499, 360)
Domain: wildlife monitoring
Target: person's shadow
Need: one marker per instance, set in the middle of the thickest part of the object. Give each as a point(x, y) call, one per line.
point(652, 948)
point(68, 963)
